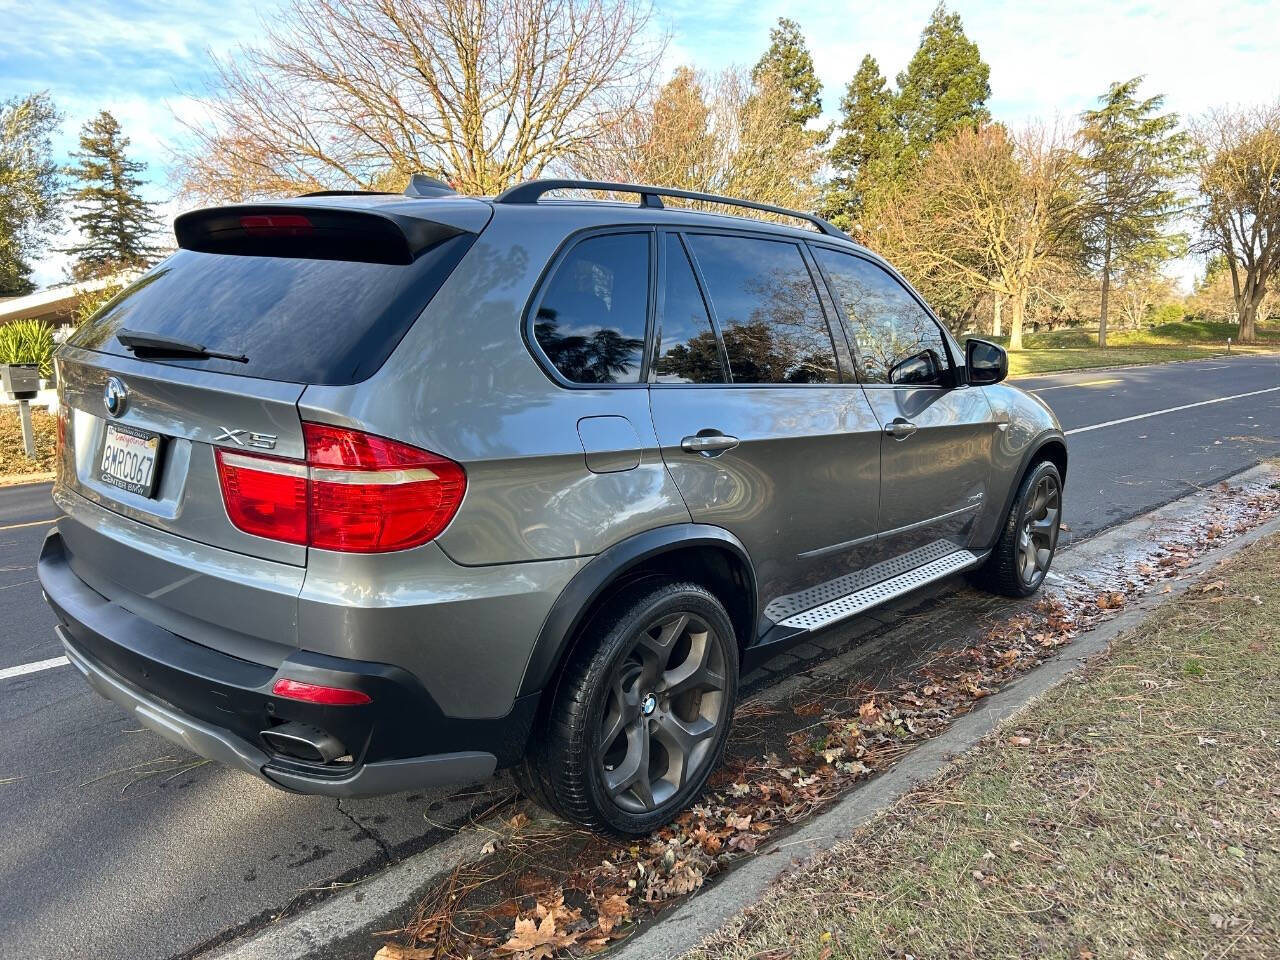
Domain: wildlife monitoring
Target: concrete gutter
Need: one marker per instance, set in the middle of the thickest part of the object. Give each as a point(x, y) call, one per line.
point(346, 914)
point(696, 919)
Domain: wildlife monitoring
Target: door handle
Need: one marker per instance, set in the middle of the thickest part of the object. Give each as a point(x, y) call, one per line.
point(708, 443)
point(900, 429)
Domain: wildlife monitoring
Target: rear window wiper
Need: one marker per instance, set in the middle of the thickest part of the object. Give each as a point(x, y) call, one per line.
point(155, 345)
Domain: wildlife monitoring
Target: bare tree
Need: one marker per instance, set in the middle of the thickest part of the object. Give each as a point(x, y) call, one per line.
point(725, 133)
point(987, 212)
point(359, 94)
point(1239, 181)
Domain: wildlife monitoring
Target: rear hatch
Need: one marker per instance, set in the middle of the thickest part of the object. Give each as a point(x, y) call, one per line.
point(209, 352)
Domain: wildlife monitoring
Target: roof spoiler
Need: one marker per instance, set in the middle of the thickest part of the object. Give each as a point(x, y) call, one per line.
point(310, 232)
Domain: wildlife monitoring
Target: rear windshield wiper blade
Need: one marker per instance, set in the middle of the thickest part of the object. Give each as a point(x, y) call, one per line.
point(156, 345)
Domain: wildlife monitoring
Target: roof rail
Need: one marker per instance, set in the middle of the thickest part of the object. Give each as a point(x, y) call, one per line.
point(532, 191)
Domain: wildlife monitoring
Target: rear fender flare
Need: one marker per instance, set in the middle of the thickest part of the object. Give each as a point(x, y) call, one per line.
point(605, 569)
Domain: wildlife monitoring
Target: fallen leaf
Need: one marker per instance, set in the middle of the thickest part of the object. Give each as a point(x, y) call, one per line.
point(613, 910)
point(393, 951)
point(869, 713)
point(1110, 601)
point(1215, 585)
point(1020, 741)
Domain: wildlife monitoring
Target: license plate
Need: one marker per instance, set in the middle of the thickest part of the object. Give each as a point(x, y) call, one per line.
point(129, 459)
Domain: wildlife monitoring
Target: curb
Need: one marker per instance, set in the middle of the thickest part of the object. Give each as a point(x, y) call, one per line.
point(345, 914)
point(699, 917)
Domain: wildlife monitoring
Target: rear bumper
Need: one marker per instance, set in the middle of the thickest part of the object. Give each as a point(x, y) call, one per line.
point(215, 705)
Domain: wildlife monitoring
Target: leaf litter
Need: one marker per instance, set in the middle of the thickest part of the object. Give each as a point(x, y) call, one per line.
point(546, 890)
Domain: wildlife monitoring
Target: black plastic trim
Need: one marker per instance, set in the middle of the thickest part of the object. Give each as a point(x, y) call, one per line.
point(601, 572)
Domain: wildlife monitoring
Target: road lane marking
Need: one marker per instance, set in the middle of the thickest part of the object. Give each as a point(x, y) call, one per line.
point(25, 668)
point(1156, 413)
point(1082, 383)
point(33, 523)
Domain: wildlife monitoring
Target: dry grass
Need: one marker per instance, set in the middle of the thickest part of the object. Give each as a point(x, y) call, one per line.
point(13, 460)
point(1133, 812)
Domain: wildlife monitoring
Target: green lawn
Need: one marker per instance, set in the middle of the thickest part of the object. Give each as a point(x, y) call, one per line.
point(1134, 812)
point(1077, 348)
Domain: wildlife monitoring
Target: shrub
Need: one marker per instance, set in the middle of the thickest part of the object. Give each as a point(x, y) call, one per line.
point(27, 341)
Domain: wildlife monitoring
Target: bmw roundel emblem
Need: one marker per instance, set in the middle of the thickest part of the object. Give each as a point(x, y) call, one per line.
point(115, 397)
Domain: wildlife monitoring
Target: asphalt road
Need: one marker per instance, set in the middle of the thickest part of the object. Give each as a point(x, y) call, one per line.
point(115, 844)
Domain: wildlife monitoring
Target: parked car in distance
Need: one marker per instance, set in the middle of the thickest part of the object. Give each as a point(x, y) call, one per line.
point(363, 493)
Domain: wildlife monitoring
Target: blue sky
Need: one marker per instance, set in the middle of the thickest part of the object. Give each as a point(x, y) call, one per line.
point(146, 59)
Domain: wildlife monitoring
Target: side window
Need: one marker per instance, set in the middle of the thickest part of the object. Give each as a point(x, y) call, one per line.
point(768, 309)
point(687, 347)
point(591, 321)
point(888, 324)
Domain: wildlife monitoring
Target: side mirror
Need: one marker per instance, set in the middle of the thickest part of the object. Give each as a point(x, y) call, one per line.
point(922, 367)
point(987, 362)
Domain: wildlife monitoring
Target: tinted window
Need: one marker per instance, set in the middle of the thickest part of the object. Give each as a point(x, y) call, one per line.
point(887, 322)
point(591, 320)
point(687, 348)
point(307, 321)
point(767, 306)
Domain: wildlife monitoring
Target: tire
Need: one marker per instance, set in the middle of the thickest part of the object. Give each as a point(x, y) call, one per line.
point(616, 751)
point(1017, 567)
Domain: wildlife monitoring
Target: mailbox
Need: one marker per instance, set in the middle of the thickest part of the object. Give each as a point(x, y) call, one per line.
point(20, 380)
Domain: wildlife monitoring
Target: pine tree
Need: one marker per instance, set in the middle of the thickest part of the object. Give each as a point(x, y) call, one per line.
point(29, 186)
point(945, 86)
point(1133, 154)
point(868, 143)
point(116, 225)
point(789, 60)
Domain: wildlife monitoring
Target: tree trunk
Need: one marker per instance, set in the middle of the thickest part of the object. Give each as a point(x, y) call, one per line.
point(1018, 304)
point(995, 317)
point(1249, 320)
point(1106, 292)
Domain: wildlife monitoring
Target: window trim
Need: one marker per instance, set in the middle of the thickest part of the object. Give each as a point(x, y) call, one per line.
point(958, 372)
point(845, 378)
point(562, 253)
point(659, 298)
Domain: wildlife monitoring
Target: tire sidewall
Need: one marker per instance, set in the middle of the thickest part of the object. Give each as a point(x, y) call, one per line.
point(617, 643)
point(1029, 482)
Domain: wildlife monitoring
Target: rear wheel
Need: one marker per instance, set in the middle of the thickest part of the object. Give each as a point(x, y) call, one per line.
point(641, 715)
point(1021, 558)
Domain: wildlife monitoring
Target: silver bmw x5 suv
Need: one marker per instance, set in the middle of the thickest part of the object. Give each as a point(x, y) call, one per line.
point(365, 492)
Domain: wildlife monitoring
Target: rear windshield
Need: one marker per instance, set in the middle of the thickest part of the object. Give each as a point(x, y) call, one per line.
point(305, 321)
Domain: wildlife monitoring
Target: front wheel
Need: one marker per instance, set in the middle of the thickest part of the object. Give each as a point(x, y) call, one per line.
point(1021, 558)
point(642, 712)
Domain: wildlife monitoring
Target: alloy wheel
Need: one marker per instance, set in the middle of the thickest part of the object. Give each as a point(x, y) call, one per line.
point(664, 707)
point(1038, 535)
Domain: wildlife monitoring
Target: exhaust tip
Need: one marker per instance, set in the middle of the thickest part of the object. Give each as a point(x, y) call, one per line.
point(302, 741)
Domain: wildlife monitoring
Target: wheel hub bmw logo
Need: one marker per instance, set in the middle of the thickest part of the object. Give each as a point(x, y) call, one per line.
point(115, 397)
point(649, 704)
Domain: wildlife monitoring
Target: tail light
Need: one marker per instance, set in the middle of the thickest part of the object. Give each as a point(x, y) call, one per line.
point(355, 493)
point(316, 693)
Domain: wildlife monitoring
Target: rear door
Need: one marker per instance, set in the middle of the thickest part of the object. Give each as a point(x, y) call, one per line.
point(935, 462)
point(759, 419)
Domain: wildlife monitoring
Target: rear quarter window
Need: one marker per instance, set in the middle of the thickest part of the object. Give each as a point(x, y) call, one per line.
point(330, 322)
point(591, 318)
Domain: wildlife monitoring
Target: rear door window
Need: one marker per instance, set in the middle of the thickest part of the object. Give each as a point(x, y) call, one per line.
point(887, 322)
point(304, 321)
point(687, 348)
point(768, 310)
point(592, 316)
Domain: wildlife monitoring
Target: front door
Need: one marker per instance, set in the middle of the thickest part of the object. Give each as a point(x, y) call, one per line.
point(760, 430)
point(936, 440)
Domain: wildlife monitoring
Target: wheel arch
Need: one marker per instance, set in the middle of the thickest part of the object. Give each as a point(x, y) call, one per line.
point(703, 553)
point(1051, 446)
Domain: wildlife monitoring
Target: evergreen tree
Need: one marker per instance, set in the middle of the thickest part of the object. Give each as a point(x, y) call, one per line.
point(868, 143)
point(945, 86)
point(1132, 154)
point(29, 186)
point(116, 225)
point(789, 60)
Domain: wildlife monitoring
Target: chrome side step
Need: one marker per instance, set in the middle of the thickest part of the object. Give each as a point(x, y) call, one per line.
point(856, 602)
